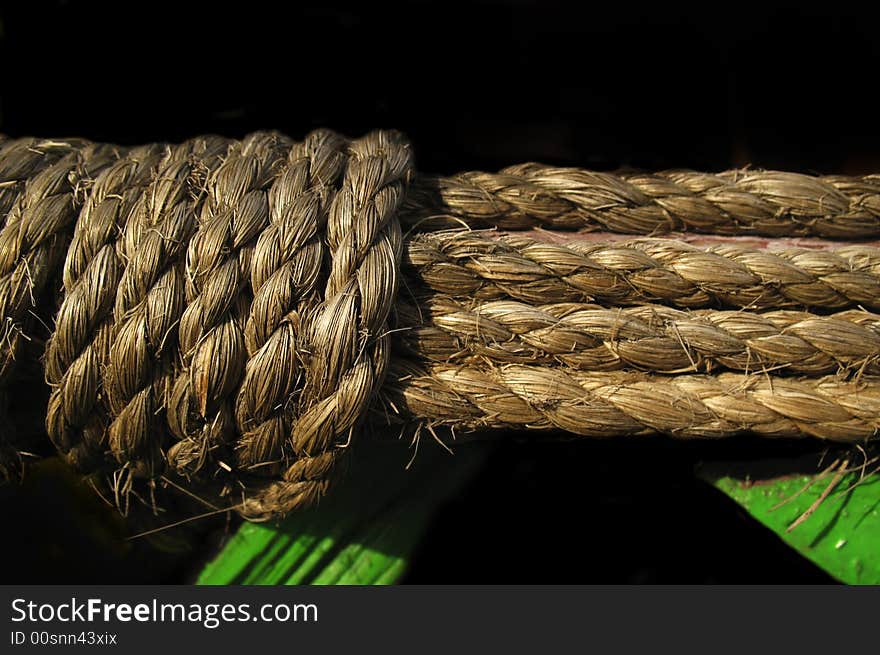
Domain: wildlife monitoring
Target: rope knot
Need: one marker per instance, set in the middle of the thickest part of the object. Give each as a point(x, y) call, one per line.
point(242, 328)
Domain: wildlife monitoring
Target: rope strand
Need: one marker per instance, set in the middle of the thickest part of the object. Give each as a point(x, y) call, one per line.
point(35, 233)
point(79, 347)
point(649, 337)
point(769, 203)
point(149, 303)
point(235, 212)
point(609, 404)
point(285, 270)
point(476, 264)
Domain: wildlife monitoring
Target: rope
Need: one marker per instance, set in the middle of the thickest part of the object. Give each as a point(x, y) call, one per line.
point(235, 211)
point(648, 338)
point(42, 184)
point(78, 350)
point(285, 271)
point(19, 161)
point(347, 351)
point(229, 310)
point(478, 264)
point(140, 359)
point(771, 203)
point(612, 404)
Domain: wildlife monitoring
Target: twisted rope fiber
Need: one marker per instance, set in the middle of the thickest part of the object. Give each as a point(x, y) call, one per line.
point(285, 271)
point(771, 203)
point(225, 304)
point(347, 345)
point(486, 266)
point(211, 329)
point(142, 357)
point(648, 337)
point(609, 404)
point(78, 349)
point(42, 183)
point(19, 160)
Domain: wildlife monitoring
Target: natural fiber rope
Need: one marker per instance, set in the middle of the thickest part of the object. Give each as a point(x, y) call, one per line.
point(648, 338)
point(771, 203)
point(486, 266)
point(77, 352)
point(346, 347)
point(21, 160)
point(285, 271)
point(42, 183)
point(609, 404)
point(211, 331)
point(225, 304)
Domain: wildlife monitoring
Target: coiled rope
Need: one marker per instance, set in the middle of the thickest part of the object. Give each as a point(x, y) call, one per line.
point(234, 312)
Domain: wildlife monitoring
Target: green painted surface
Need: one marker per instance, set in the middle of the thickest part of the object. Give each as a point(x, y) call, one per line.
point(363, 533)
point(842, 535)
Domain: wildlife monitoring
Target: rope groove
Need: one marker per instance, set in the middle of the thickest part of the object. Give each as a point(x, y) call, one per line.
point(229, 310)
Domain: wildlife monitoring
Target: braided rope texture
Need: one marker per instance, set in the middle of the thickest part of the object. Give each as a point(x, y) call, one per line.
point(647, 337)
point(227, 311)
point(771, 203)
point(668, 271)
point(610, 404)
point(42, 185)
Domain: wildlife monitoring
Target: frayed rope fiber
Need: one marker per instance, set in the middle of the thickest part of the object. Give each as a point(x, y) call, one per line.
point(234, 312)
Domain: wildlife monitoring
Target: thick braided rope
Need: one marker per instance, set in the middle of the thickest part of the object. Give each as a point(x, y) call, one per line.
point(285, 271)
point(347, 346)
point(149, 302)
point(608, 404)
point(20, 159)
point(771, 203)
point(212, 325)
point(649, 337)
point(34, 238)
point(476, 264)
point(40, 210)
point(79, 347)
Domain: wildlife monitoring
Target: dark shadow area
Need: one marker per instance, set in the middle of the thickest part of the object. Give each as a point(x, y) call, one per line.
point(59, 531)
point(477, 85)
point(617, 511)
point(581, 511)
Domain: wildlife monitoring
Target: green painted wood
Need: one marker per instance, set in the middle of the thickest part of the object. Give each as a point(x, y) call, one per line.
point(842, 535)
point(363, 533)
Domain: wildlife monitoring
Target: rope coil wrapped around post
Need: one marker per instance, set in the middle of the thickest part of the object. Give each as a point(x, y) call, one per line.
point(233, 312)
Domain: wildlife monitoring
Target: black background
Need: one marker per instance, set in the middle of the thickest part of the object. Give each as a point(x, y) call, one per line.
point(480, 86)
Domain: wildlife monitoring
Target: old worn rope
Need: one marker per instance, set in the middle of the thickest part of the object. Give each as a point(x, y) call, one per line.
point(42, 182)
point(647, 337)
point(771, 203)
point(226, 311)
point(609, 404)
point(488, 266)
